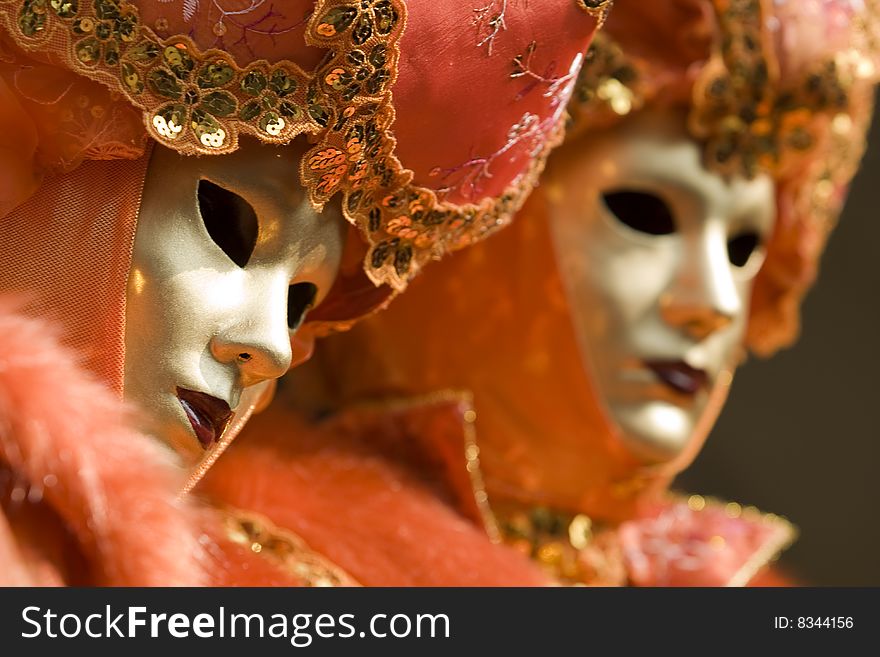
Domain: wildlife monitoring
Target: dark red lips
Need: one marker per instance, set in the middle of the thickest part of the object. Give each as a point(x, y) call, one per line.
point(208, 415)
point(679, 376)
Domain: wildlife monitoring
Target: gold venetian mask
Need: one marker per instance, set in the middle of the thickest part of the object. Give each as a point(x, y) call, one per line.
point(228, 257)
point(658, 256)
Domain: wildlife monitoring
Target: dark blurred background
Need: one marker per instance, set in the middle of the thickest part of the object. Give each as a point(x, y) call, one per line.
point(800, 435)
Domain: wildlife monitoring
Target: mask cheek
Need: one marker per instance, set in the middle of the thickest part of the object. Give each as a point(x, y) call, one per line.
point(729, 350)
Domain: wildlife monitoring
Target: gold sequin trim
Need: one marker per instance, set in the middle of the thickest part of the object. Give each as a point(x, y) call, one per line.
point(475, 472)
point(821, 195)
point(284, 548)
point(576, 551)
point(194, 101)
point(200, 101)
point(747, 125)
point(608, 86)
point(558, 541)
point(748, 119)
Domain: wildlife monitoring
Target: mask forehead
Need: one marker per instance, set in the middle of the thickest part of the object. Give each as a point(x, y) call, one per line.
point(660, 156)
point(267, 178)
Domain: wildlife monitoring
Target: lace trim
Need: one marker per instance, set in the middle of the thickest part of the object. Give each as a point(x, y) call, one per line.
point(768, 552)
point(747, 122)
point(198, 102)
point(577, 551)
point(284, 548)
point(559, 542)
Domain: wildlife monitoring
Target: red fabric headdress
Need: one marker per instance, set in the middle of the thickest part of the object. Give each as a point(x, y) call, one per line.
point(431, 120)
point(430, 123)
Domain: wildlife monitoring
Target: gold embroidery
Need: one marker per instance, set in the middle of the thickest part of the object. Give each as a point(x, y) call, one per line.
point(199, 102)
point(608, 86)
point(570, 547)
point(822, 192)
point(475, 472)
point(747, 125)
point(284, 548)
point(574, 550)
point(748, 119)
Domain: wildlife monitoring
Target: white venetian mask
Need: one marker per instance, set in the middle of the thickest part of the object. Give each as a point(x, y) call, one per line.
point(658, 256)
point(228, 257)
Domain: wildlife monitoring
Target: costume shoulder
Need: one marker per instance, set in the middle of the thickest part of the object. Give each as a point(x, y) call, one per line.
point(360, 491)
point(72, 467)
point(698, 541)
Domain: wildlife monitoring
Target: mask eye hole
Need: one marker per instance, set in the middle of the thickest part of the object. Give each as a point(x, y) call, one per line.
point(641, 211)
point(741, 247)
point(230, 221)
point(300, 299)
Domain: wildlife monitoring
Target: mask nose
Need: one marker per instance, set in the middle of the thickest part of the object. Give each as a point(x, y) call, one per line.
point(703, 298)
point(697, 321)
point(259, 344)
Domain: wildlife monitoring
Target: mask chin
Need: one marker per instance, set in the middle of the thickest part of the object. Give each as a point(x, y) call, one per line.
point(654, 432)
point(253, 400)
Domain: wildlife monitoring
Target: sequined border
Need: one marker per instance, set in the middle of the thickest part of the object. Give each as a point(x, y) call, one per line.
point(746, 122)
point(284, 548)
point(198, 102)
point(555, 539)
